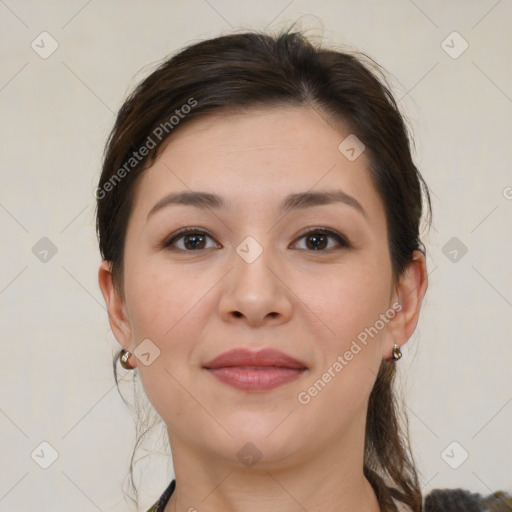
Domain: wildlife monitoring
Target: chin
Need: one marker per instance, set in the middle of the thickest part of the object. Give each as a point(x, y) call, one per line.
point(258, 441)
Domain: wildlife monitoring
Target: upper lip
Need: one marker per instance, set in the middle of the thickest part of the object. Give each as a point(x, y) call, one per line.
point(245, 357)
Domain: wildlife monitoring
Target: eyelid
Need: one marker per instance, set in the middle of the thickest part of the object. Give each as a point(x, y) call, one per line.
point(170, 240)
point(341, 239)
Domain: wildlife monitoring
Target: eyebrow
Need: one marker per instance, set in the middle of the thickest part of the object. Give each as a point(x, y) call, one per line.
point(296, 201)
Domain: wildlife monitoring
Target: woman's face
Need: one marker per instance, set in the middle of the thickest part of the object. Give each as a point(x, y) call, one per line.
point(249, 276)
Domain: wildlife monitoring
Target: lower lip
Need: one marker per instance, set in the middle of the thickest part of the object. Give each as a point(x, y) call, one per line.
point(252, 379)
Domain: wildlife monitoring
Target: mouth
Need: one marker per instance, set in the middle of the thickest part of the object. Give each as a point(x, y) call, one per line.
point(255, 371)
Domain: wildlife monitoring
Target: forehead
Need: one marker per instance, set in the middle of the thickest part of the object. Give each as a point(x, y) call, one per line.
point(256, 157)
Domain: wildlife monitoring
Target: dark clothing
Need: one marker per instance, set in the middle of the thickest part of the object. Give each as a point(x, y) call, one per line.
point(439, 500)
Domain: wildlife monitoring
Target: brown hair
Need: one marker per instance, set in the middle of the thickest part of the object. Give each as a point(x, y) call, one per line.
point(252, 69)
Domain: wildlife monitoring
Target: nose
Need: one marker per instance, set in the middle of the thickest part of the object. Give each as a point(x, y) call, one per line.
point(256, 292)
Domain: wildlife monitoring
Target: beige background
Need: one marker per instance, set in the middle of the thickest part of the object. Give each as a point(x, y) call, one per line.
point(56, 346)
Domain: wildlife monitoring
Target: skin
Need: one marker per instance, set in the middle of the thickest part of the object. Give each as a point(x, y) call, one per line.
point(310, 304)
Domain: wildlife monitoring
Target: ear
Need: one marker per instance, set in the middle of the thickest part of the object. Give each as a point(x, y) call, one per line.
point(409, 293)
point(115, 306)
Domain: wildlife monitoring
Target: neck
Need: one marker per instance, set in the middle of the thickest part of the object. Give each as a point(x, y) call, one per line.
point(332, 481)
point(232, 492)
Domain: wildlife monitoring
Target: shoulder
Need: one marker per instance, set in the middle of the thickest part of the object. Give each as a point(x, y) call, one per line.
point(461, 500)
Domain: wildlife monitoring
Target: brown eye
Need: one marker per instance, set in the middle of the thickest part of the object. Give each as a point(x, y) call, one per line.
point(194, 241)
point(189, 240)
point(319, 240)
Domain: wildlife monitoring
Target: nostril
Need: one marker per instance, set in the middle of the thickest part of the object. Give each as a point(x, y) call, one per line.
point(237, 314)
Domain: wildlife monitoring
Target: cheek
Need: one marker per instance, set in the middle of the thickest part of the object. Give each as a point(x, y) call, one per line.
point(350, 343)
point(166, 308)
point(160, 299)
point(349, 301)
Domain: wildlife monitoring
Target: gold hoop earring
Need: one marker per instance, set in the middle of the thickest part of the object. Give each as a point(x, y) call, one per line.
point(124, 355)
point(397, 353)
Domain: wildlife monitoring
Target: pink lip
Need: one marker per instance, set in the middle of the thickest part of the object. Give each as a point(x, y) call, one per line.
point(255, 371)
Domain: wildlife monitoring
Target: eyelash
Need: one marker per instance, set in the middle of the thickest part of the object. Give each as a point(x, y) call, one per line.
point(167, 244)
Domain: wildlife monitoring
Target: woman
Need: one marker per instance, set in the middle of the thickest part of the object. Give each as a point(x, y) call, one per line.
point(258, 218)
